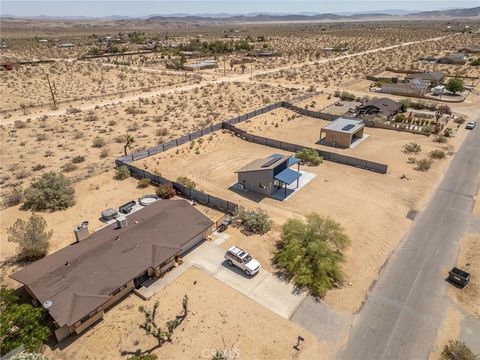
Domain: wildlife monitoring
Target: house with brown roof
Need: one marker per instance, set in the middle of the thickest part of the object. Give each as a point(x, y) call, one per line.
point(435, 77)
point(79, 282)
point(383, 107)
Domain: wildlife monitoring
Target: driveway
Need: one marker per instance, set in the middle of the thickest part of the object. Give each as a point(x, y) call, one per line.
point(264, 288)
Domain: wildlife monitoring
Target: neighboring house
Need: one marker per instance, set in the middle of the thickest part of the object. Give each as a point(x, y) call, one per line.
point(413, 87)
point(455, 59)
point(472, 49)
point(205, 64)
point(79, 282)
point(342, 132)
point(384, 107)
point(435, 77)
point(265, 176)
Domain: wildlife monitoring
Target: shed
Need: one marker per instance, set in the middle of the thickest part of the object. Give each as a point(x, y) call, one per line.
point(342, 132)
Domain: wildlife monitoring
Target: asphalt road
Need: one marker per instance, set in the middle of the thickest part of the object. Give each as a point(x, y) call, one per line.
point(405, 308)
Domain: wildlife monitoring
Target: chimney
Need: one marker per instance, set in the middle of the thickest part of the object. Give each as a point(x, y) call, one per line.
point(121, 222)
point(81, 231)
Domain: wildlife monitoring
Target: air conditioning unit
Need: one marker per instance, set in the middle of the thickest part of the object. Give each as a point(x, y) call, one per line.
point(81, 231)
point(122, 222)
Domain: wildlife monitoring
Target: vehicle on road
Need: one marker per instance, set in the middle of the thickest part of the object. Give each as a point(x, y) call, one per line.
point(458, 277)
point(243, 260)
point(471, 125)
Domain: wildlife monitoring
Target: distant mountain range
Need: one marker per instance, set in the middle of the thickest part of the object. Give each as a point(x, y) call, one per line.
point(265, 17)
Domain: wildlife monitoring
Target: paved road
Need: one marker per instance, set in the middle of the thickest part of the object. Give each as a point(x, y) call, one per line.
point(405, 308)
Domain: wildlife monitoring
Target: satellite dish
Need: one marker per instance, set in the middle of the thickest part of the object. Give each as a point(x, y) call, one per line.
point(47, 304)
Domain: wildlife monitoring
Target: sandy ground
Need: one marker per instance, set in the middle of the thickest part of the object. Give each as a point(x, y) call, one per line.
point(216, 312)
point(372, 207)
point(92, 195)
point(449, 330)
point(469, 260)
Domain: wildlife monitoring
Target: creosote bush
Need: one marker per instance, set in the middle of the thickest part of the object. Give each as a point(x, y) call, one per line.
point(309, 157)
point(185, 181)
point(412, 148)
point(13, 197)
point(98, 142)
point(437, 154)
point(423, 165)
point(51, 192)
point(253, 221)
point(165, 191)
point(143, 183)
point(457, 350)
point(122, 173)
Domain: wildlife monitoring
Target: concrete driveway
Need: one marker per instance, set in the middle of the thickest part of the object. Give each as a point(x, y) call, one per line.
point(265, 288)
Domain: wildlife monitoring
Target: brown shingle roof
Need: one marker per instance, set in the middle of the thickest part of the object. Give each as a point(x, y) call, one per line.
point(384, 105)
point(81, 277)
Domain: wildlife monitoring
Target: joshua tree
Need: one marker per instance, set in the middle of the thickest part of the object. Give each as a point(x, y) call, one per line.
point(129, 140)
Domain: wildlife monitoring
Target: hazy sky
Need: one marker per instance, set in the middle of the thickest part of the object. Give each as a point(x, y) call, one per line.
point(143, 8)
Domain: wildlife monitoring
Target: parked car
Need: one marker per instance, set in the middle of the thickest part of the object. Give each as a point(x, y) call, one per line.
point(458, 277)
point(471, 125)
point(240, 258)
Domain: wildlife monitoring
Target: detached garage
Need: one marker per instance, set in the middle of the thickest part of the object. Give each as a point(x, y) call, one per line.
point(342, 132)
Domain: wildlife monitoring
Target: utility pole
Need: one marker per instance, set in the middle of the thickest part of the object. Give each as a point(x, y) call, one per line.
point(52, 93)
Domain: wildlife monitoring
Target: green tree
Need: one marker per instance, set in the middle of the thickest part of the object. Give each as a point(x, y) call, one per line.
point(455, 85)
point(51, 192)
point(31, 236)
point(309, 253)
point(20, 324)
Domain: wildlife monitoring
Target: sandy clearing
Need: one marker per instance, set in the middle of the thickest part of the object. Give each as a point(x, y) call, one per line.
point(215, 311)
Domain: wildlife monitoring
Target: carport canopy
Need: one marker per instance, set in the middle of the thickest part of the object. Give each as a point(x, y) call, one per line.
point(288, 176)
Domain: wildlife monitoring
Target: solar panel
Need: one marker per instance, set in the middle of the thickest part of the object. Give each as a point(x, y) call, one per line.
point(272, 161)
point(348, 127)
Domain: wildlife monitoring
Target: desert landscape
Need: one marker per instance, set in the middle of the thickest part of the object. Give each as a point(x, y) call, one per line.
point(78, 95)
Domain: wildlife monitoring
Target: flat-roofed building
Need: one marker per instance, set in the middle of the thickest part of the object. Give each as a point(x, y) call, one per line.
point(79, 282)
point(342, 132)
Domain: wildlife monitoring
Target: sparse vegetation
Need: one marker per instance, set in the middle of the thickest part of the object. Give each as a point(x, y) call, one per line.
point(457, 350)
point(423, 165)
point(165, 191)
point(122, 173)
point(143, 183)
point(13, 197)
point(185, 181)
point(437, 154)
point(412, 148)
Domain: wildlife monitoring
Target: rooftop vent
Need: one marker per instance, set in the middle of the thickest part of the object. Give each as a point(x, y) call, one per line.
point(81, 231)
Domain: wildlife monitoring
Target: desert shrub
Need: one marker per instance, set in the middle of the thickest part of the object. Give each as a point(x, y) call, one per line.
point(19, 124)
point(143, 183)
point(455, 85)
point(69, 167)
point(475, 62)
point(457, 350)
point(440, 139)
point(253, 221)
point(411, 160)
point(13, 197)
point(165, 191)
point(122, 173)
point(423, 165)
point(400, 118)
point(309, 157)
point(412, 148)
point(347, 96)
point(104, 153)
point(185, 181)
point(98, 142)
point(459, 120)
point(31, 237)
point(143, 357)
point(51, 192)
point(29, 356)
point(21, 324)
point(161, 132)
point(437, 154)
point(78, 159)
point(447, 132)
point(309, 253)
point(38, 167)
